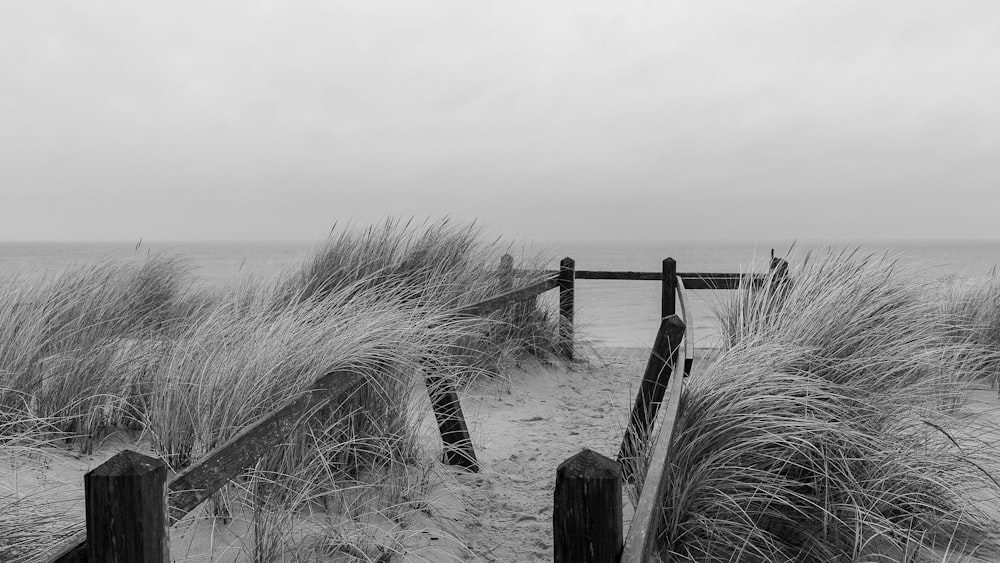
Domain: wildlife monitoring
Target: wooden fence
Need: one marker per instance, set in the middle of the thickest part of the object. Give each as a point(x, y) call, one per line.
point(587, 502)
point(128, 510)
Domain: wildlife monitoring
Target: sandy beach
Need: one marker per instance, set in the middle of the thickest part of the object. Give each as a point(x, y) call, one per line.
point(523, 428)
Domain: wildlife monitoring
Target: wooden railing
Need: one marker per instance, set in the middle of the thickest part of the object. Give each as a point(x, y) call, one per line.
point(128, 513)
point(587, 503)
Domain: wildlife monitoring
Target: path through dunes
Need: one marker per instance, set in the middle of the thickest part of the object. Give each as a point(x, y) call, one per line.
point(522, 431)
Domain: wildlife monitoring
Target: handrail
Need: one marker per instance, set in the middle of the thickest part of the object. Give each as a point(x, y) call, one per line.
point(693, 280)
point(688, 328)
point(487, 306)
point(192, 486)
point(642, 531)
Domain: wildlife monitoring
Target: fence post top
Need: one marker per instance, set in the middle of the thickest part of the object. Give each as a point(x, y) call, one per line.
point(590, 464)
point(127, 462)
point(779, 265)
point(567, 261)
point(669, 260)
point(675, 321)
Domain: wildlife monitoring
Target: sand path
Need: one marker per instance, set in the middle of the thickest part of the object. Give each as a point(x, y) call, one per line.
point(522, 430)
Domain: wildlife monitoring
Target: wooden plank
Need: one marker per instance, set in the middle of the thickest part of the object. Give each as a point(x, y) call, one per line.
point(779, 275)
point(126, 510)
point(661, 362)
point(618, 275)
point(694, 280)
point(711, 283)
point(567, 277)
point(455, 439)
point(487, 306)
point(720, 275)
point(642, 531)
point(506, 273)
point(199, 481)
point(652, 276)
point(587, 510)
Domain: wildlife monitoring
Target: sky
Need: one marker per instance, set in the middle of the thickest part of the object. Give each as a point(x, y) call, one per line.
point(556, 120)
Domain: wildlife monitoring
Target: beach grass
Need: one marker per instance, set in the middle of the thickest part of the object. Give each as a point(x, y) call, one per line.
point(66, 350)
point(830, 427)
point(446, 263)
point(137, 348)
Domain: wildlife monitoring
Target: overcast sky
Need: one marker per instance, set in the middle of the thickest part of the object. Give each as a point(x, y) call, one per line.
point(271, 120)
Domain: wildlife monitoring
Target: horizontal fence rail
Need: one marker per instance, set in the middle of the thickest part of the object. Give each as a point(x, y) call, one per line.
point(199, 481)
point(202, 479)
point(692, 280)
point(492, 304)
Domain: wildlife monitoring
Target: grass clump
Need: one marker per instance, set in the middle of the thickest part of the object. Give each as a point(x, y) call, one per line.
point(443, 263)
point(974, 307)
point(246, 357)
point(828, 429)
point(68, 344)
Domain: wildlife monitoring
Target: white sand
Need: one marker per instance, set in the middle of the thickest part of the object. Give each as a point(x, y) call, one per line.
point(522, 431)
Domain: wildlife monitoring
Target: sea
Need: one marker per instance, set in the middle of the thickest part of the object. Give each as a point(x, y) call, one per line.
point(608, 313)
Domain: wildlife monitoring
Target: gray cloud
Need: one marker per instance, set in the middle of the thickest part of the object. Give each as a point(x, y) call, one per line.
point(271, 120)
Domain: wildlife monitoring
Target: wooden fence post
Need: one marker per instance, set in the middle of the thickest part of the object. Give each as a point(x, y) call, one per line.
point(127, 510)
point(455, 439)
point(506, 273)
point(567, 274)
point(779, 268)
point(669, 298)
point(587, 510)
point(654, 383)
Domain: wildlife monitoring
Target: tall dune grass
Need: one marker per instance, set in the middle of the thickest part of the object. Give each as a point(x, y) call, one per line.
point(443, 263)
point(30, 521)
point(974, 309)
point(828, 428)
point(64, 341)
point(137, 346)
point(246, 357)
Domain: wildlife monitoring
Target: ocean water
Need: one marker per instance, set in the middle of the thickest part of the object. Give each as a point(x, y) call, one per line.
point(618, 313)
point(614, 313)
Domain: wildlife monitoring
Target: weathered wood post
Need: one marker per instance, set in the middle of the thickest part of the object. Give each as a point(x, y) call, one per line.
point(587, 510)
point(654, 384)
point(779, 282)
point(521, 310)
point(455, 439)
point(126, 510)
point(779, 269)
point(506, 273)
point(669, 298)
point(567, 274)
